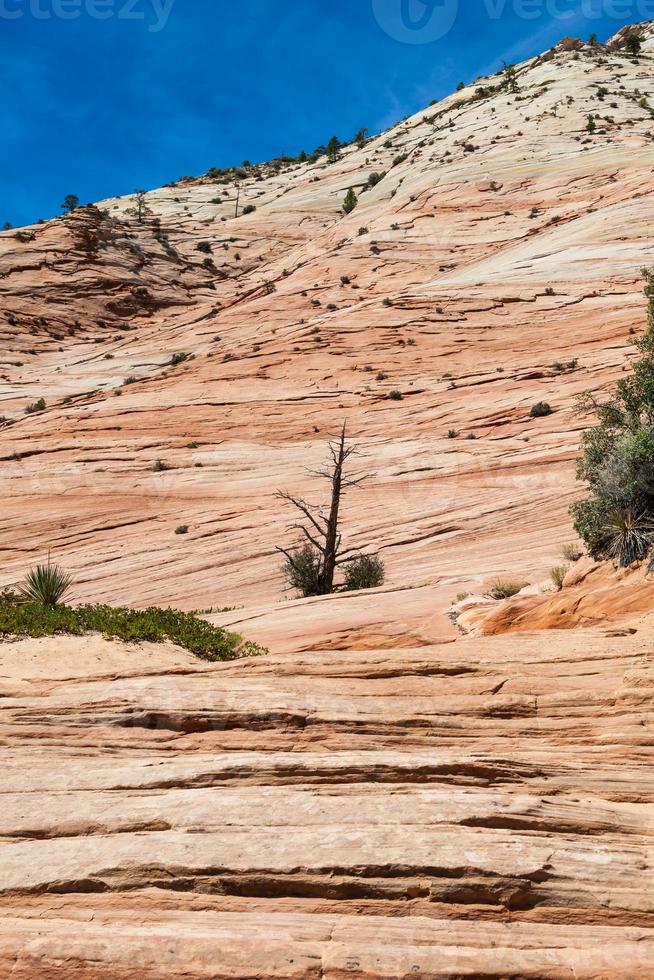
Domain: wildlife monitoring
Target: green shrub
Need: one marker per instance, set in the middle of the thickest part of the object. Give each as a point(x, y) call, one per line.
point(350, 202)
point(633, 44)
point(178, 359)
point(363, 572)
point(540, 410)
point(333, 148)
point(38, 406)
point(71, 202)
point(302, 570)
point(561, 366)
point(249, 209)
point(375, 178)
point(617, 464)
point(131, 625)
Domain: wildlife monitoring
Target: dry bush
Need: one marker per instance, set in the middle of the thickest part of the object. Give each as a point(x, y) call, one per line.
point(558, 574)
point(572, 552)
point(504, 588)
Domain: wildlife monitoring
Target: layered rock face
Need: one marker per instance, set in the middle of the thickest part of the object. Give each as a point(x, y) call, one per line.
point(474, 808)
point(379, 797)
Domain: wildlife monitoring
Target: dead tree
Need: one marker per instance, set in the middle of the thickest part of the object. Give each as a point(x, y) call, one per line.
point(322, 534)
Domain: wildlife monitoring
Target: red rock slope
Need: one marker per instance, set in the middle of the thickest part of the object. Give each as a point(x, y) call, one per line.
point(380, 797)
point(500, 268)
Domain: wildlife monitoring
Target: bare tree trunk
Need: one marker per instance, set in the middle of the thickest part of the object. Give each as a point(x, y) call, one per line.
point(332, 537)
point(323, 533)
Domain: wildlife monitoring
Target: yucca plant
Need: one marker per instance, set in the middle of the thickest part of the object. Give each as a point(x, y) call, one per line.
point(47, 585)
point(627, 536)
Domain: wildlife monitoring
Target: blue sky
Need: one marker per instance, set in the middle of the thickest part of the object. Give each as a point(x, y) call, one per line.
point(157, 89)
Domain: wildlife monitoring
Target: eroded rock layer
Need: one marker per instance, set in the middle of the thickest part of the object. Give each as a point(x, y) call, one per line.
point(480, 807)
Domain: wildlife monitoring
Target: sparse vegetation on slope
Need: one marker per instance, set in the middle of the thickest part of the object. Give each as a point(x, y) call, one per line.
point(617, 520)
point(393, 313)
point(29, 618)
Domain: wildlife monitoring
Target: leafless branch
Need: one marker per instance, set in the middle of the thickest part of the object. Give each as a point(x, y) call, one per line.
point(305, 508)
point(287, 554)
point(309, 537)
